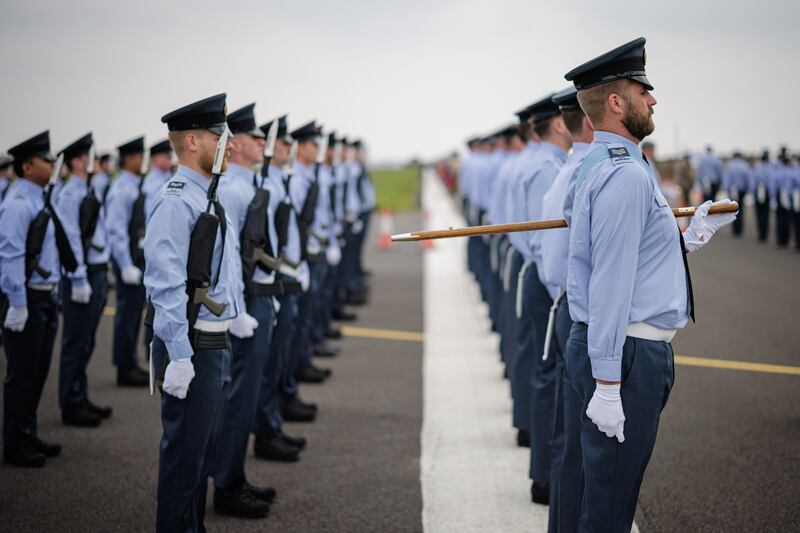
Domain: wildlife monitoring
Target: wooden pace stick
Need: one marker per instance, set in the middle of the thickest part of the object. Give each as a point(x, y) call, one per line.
point(475, 231)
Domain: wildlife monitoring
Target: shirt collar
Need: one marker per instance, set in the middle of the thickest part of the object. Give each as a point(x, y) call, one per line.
point(80, 182)
point(129, 176)
point(579, 148)
point(238, 171)
point(29, 185)
point(195, 177)
point(556, 151)
point(606, 137)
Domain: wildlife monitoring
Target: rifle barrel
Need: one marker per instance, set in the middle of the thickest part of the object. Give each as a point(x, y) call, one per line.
point(491, 229)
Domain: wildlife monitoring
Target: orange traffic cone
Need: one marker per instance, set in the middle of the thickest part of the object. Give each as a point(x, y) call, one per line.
point(387, 227)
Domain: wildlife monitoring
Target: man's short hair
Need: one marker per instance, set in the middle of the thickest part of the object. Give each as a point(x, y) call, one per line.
point(176, 140)
point(593, 100)
point(573, 120)
point(542, 127)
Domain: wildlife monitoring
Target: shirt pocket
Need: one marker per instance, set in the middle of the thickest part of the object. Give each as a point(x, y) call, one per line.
point(664, 219)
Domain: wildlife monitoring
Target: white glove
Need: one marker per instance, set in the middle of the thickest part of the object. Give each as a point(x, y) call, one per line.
point(304, 276)
point(703, 226)
point(131, 275)
point(81, 292)
point(16, 318)
point(333, 255)
point(605, 410)
point(177, 377)
point(243, 326)
point(358, 226)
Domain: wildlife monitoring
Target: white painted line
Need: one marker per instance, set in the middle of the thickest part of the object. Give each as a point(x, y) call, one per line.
point(474, 478)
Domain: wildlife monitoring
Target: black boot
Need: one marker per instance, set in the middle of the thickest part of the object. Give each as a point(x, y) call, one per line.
point(540, 493)
point(25, 456)
point(239, 502)
point(275, 449)
point(132, 377)
point(102, 412)
point(323, 349)
point(333, 333)
point(297, 442)
point(265, 494)
point(312, 374)
point(344, 316)
point(47, 449)
point(80, 417)
point(523, 439)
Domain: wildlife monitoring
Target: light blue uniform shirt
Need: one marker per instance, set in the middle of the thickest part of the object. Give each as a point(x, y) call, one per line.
point(625, 264)
point(367, 190)
point(548, 161)
point(781, 184)
point(100, 183)
point(301, 182)
point(498, 210)
point(166, 251)
point(488, 178)
point(464, 174)
point(737, 176)
point(760, 178)
point(119, 208)
point(4, 183)
point(709, 168)
point(555, 242)
point(153, 182)
point(23, 202)
point(235, 192)
point(279, 194)
point(69, 203)
point(515, 195)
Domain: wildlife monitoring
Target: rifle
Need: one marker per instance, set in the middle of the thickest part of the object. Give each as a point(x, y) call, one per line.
point(201, 245)
point(89, 211)
point(38, 230)
point(136, 224)
point(491, 229)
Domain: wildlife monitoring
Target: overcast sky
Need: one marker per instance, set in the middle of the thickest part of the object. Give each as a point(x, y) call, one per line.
point(412, 77)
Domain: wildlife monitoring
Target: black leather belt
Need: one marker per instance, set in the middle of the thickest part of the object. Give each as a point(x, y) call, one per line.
point(210, 341)
point(99, 267)
point(316, 258)
point(279, 288)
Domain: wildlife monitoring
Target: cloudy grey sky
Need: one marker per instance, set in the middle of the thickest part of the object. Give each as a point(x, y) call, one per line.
point(412, 77)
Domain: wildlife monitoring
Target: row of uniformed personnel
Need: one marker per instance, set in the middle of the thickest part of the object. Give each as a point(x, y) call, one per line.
point(773, 185)
point(586, 313)
point(240, 272)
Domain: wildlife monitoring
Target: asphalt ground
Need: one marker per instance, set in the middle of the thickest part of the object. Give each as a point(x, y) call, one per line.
point(727, 456)
point(360, 471)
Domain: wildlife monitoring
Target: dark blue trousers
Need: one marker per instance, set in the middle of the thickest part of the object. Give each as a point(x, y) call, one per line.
point(187, 442)
point(522, 365)
point(566, 474)
point(542, 382)
point(362, 239)
point(28, 356)
point(268, 421)
point(127, 321)
point(508, 344)
point(248, 357)
point(613, 472)
point(302, 343)
point(78, 338)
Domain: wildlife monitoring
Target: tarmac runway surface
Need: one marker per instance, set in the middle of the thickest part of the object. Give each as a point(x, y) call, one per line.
point(727, 456)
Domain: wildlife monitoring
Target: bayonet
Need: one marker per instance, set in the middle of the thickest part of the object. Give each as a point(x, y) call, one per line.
point(323, 146)
point(289, 169)
point(269, 147)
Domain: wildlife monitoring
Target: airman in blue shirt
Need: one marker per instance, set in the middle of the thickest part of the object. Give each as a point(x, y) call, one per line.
point(6, 174)
point(710, 174)
point(28, 280)
point(760, 189)
point(736, 181)
point(627, 279)
point(193, 283)
point(160, 172)
point(83, 292)
point(125, 219)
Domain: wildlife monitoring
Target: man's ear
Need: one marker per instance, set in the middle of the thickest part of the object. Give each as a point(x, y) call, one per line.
point(615, 103)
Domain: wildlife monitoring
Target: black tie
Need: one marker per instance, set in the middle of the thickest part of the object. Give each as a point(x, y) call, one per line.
point(688, 275)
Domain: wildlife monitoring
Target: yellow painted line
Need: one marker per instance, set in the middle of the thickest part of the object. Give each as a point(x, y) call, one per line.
point(683, 360)
point(385, 334)
point(727, 364)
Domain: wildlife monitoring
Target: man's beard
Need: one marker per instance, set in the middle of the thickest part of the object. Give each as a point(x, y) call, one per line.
point(207, 162)
point(638, 125)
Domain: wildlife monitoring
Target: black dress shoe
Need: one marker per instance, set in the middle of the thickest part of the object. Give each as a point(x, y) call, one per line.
point(25, 456)
point(48, 449)
point(297, 442)
point(275, 449)
point(333, 333)
point(356, 298)
point(102, 412)
point(265, 494)
point(239, 502)
point(295, 411)
point(344, 316)
point(305, 405)
point(523, 439)
point(322, 349)
point(80, 417)
point(311, 374)
point(132, 377)
point(540, 493)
